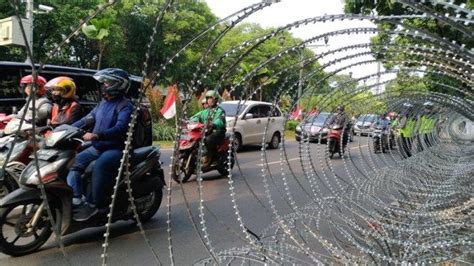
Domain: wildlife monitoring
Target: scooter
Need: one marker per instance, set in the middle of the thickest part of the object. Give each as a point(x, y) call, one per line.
point(24, 220)
point(334, 141)
point(10, 170)
point(185, 165)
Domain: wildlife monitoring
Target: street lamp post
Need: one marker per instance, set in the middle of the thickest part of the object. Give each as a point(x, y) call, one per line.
point(300, 82)
point(30, 11)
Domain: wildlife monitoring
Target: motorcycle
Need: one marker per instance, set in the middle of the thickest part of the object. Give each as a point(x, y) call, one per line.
point(10, 170)
point(185, 165)
point(23, 214)
point(4, 119)
point(334, 141)
point(380, 137)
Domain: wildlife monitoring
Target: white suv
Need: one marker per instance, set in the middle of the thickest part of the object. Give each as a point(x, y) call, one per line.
point(252, 118)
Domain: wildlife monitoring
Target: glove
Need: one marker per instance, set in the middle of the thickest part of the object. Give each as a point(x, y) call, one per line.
point(210, 128)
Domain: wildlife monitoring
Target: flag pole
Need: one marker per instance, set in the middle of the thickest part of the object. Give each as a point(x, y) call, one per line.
point(176, 116)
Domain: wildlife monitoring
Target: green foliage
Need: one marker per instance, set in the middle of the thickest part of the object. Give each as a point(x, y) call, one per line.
point(163, 131)
point(291, 125)
point(432, 26)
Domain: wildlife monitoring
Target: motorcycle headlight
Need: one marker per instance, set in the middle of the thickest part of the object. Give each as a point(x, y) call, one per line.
point(54, 138)
point(3, 158)
point(19, 147)
point(30, 176)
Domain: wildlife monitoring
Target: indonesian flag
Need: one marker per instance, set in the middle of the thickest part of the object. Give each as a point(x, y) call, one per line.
point(296, 113)
point(169, 107)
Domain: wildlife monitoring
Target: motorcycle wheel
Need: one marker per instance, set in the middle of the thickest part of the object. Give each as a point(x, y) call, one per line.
point(8, 186)
point(331, 147)
point(182, 175)
point(13, 222)
point(224, 169)
point(149, 212)
point(376, 145)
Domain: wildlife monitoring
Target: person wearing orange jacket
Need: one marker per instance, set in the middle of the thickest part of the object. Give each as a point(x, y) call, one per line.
point(66, 109)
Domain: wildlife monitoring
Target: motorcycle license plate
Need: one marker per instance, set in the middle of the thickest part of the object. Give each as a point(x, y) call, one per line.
point(185, 137)
point(45, 155)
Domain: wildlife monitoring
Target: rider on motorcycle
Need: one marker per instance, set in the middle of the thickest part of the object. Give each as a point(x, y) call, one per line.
point(426, 124)
point(214, 119)
point(342, 120)
point(407, 128)
point(66, 109)
point(42, 104)
point(110, 121)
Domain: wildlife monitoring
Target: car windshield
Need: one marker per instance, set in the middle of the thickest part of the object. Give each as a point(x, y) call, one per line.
point(319, 119)
point(231, 108)
point(367, 118)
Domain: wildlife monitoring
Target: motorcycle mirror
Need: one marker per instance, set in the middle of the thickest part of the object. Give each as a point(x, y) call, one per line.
point(14, 110)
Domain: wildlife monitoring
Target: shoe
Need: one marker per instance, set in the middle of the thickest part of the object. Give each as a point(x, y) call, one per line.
point(77, 202)
point(205, 160)
point(84, 213)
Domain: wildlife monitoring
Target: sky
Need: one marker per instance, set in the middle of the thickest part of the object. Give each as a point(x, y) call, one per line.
point(288, 11)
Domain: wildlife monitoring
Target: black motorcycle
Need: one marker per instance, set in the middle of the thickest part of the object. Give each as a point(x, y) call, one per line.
point(23, 216)
point(380, 138)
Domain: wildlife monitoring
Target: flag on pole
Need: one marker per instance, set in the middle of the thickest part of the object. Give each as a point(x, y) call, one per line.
point(169, 107)
point(296, 113)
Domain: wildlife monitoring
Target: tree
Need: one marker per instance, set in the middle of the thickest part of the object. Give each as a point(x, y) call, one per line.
point(433, 26)
point(99, 30)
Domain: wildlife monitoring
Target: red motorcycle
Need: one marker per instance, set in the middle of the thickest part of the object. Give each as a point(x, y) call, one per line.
point(185, 164)
point(4, 119)
point(334, 140)
point(19, 154)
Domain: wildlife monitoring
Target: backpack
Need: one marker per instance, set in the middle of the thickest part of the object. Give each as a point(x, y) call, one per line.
point(143, 131)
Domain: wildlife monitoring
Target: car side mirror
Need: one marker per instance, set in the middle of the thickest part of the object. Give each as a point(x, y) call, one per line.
point(248, 116)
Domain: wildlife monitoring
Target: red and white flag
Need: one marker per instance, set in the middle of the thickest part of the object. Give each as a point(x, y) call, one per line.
point(296, 113)
point(169, 107)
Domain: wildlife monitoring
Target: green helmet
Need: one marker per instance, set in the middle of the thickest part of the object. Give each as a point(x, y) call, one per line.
point(213, 94)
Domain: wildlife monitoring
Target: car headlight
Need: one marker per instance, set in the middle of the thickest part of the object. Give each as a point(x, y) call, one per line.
point(325, 130)
point(54, 138)
point(30, 176)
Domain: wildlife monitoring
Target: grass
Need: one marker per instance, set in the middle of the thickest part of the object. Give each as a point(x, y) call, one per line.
point(289, 135)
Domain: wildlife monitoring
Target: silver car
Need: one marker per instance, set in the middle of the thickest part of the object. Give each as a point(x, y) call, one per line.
point(364, 123)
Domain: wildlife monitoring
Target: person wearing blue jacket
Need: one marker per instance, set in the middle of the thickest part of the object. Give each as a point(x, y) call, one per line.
point(110, 120)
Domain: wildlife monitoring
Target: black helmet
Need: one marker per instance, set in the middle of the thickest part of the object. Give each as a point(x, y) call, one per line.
point(115, 81)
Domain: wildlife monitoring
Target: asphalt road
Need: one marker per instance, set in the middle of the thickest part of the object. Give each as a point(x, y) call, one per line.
point(128, 248)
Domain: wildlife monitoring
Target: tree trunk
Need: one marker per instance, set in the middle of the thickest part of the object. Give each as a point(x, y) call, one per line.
point(101, 52)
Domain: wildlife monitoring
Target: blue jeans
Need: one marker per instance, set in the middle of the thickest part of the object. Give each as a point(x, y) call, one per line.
point(103, 174)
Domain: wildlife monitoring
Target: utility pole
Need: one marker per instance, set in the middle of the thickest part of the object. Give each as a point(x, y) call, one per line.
point(29, 16)
point(300, 82)
point(378, 79)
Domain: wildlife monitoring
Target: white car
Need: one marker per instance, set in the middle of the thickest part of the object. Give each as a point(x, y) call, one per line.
point(252, 119)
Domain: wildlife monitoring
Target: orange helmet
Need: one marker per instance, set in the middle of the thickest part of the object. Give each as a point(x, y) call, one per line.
point(26, 80)
point(63, 87)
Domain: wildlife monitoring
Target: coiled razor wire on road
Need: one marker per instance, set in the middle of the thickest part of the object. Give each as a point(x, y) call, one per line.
point(377, 208)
